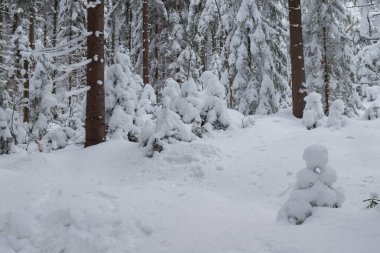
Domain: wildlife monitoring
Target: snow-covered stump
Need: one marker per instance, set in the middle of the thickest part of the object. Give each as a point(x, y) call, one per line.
point(313, 112)
point(312, 189)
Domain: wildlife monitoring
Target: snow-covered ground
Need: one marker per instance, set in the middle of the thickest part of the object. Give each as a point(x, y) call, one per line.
point(216, 195)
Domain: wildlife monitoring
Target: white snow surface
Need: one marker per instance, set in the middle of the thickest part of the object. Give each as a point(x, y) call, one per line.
point(220, 194)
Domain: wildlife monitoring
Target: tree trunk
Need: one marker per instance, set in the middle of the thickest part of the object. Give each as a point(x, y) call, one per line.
point(95, 109)
point(326, 82)
point(145, 43)
point(54, 43)
point(32, 15)
point(1, 32)
point(297, 58)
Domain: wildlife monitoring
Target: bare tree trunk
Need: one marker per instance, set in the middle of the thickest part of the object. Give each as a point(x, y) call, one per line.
point(128, 20)
point(55, 25)
point(297, 58)
point(95, 110)
point(326, 82)
point(1, 32)
point(145, 43)
point(32, 15)
point(113, 34)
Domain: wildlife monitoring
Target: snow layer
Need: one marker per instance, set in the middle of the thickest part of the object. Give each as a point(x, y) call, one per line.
point(217, 194)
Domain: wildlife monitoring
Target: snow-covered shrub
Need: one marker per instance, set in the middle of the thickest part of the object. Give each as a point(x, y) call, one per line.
point(122, 103)
point(373, 112)
point(6, 139)
point(214, 109)
point(313, 112)
point(189, 103)
point(336, 117)
point(373, 93)
point(148, 100)
point(168, 128)
point(56, 137)
point(312, 189)
point(171, 90)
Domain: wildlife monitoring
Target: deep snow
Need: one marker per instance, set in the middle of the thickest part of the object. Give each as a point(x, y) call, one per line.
point(220, 194)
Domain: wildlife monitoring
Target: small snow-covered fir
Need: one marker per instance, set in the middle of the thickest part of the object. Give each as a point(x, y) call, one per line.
point(312, 189)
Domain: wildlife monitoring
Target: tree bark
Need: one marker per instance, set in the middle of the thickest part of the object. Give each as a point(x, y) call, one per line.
point(145, 43)
point(326, 78)
point(55, 35)
point(27, 62)
point(297, 58)
point(95, 109)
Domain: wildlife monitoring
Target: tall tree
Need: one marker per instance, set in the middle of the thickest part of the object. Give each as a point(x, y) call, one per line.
point(95, 110)
point(145, 42)
point(329, 53)
point(297, 57)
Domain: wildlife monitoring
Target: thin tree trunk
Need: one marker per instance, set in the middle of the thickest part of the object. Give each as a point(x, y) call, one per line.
point(27, 64)
point(145, 43)
point(1, 32)
point(297, 57)
point(55, 24)
point(95, 109)
point(326, 82)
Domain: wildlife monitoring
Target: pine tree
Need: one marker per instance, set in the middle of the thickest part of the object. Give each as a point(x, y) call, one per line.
point(329, 53)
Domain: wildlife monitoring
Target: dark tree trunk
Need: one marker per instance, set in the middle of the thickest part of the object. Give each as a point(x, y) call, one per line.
point(145, 43)
point(95, 110)
point(325, 62)
point(54, 42)
point(1, 32)
point(297, 58)
point(27, 64)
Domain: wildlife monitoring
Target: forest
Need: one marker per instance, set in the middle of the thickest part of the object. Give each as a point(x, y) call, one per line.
point(119, 117)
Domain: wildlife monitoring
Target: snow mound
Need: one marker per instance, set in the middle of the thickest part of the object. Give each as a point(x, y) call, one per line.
point(62, 230)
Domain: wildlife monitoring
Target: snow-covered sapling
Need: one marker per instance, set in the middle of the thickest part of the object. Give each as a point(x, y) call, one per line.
point(373, 112)
point(168, 128)
point(214, 107)
point(312, 189)
point(313, 112)
point(373, 200)
point(336, 117)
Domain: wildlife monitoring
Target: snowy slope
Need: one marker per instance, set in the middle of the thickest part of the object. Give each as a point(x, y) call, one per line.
point(216, 195)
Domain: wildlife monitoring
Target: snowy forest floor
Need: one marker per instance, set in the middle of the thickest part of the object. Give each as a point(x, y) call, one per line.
point(220, 194)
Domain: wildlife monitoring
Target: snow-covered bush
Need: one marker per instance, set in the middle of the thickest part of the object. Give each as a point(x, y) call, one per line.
point(6, 140)
point(336, 117)
point(373, 93)
point(313, 112)
point(168, 128)
point(122, 103)
point(373, 112)
point(56, 137)
point(148, 100)
point(189, 103)
point(214, 109)
point(312, 189)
